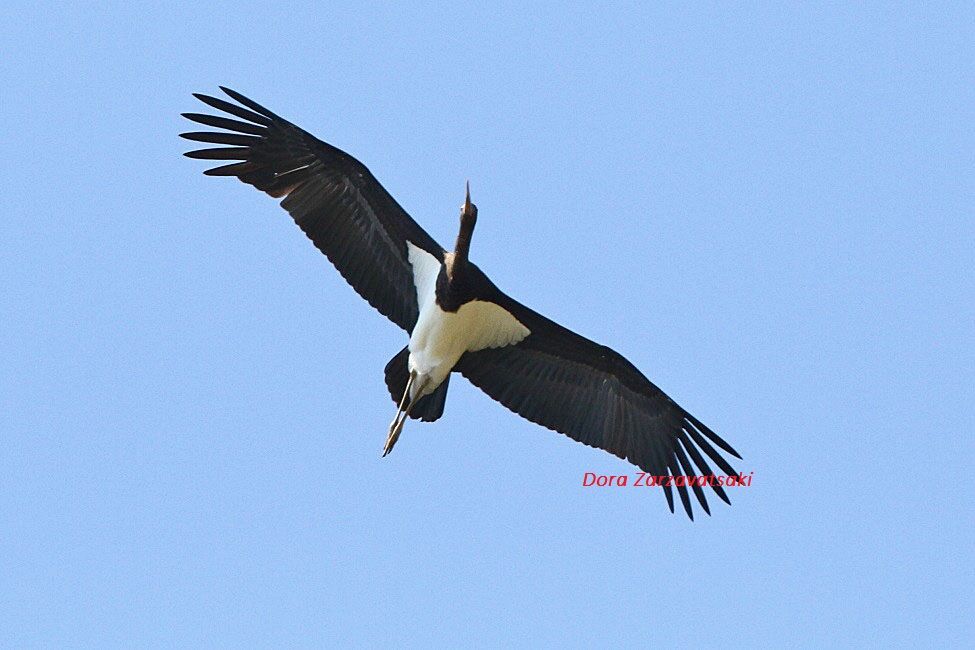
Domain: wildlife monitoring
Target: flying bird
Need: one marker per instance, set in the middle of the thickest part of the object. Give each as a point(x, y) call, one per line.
point(458, 321)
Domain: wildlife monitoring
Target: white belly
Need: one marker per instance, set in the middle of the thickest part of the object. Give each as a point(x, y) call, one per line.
point(438, 341)
point(440, 338)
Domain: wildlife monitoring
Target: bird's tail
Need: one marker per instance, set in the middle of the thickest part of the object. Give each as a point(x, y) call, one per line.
point(429, 407)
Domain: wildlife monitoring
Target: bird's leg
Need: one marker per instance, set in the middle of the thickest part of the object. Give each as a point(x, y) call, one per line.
point(396, 426)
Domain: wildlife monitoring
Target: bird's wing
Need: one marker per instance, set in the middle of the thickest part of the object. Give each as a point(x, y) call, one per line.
point(567, 383)
point(335, 200)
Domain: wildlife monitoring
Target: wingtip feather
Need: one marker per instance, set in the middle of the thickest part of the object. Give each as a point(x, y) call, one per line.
point(249, 103)
point(715, 438)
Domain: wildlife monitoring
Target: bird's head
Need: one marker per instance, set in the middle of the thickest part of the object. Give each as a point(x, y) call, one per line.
point(468, 213)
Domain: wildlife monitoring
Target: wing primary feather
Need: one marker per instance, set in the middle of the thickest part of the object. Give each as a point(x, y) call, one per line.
point(234, 169)
point(223, 153)
point(233, 109)
point(710, 451)
point(681, 489)
point(217, 137)
point(251, 104)
point(713, 436)
point(225, 123)
point(668, 493)
point(688, 471)
point(702, 465)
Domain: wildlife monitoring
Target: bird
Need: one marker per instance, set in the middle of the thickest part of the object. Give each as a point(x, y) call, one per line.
point(457, 320)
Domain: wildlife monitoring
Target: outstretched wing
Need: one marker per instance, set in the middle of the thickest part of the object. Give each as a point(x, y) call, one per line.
point(567, 383)
point(332, 197)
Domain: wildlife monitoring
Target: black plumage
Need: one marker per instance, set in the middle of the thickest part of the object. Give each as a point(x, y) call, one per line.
point(332, 197)
point(553, 377)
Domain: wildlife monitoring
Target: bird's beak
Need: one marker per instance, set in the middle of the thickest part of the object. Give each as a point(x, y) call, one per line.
point(467, 199)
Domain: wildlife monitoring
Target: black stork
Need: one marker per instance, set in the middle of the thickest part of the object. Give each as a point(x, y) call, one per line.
point(457, 319)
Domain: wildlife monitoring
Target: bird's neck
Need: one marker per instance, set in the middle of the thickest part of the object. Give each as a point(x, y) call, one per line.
point(457, 261)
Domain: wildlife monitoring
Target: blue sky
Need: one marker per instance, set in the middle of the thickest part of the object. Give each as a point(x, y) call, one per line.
point(769, 211)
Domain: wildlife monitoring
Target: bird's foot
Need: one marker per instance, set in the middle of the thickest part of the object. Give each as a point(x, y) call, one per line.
point(396, 426)
point(394, 430)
